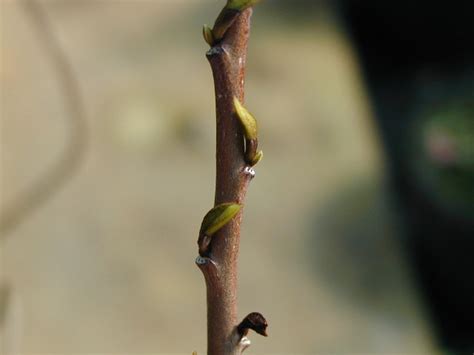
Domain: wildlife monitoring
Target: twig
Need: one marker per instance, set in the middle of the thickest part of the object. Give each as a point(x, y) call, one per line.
point(234, 161)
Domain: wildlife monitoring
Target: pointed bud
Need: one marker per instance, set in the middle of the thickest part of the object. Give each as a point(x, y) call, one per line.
point(254, 321)
point(214, 220)
point(218, 217)
point(207, 34)
point(223, 22)
point(257, 158)
point(240, 5)
point(248, 121)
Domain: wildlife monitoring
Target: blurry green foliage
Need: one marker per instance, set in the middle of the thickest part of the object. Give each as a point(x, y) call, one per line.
point(443, 150)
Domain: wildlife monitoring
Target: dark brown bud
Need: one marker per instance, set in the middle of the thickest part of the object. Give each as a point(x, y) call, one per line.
point(254, 321)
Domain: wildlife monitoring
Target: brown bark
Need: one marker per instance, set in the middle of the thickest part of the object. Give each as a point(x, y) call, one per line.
point(227, 59)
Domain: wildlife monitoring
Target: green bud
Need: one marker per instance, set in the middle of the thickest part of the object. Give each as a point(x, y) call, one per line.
point(257, 158)
point(207, 34)
point(240, 5)
point(248, 121)
point(223, 22)
point(214, 220)
point(218, 217)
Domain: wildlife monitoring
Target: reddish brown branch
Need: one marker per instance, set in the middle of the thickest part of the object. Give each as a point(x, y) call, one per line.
point(228, 66)
point(227, 58)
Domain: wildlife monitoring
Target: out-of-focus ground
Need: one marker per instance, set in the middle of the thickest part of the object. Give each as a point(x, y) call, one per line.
point(107, 264)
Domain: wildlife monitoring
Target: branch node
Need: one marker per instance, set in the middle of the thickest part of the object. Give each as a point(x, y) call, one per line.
point(205, 263)
point(202, 260)
point(243, 344)
point(248, 170)
point(216, 50)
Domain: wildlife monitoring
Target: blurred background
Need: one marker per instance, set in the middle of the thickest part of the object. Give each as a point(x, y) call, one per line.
point(358, 229)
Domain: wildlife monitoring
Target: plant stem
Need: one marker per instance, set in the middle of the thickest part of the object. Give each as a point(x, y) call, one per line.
point(227, 59)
